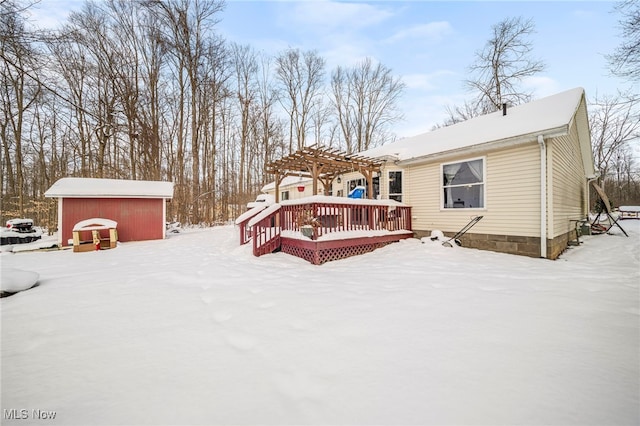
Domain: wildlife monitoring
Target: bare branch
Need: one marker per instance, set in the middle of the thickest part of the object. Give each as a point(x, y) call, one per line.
point(502, 65)
point(625, 61)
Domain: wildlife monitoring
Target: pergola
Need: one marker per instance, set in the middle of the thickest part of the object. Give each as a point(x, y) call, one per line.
point(322, 165)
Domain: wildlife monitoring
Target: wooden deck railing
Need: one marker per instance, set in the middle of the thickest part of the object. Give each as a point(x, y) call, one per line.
point(243, 223)
point(339, 217)
point(265, 229)
point(245, 231)
point(266, 234)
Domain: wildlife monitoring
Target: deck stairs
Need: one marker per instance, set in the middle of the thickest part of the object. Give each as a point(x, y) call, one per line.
point(265, 232)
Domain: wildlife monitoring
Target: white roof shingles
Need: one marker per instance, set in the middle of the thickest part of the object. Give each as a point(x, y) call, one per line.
point(109, 188)
point(547, 116)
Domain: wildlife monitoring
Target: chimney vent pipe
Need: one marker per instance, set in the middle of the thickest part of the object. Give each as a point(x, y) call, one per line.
point(504, 109)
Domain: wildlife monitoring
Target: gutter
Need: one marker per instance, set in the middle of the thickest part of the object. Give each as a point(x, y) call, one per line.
point(543, 197)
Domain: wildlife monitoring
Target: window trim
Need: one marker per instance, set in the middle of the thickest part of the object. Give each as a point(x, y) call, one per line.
point(483, 183)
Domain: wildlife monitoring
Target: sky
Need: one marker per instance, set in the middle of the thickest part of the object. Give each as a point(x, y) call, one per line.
point(428, 44)
point(195, 330)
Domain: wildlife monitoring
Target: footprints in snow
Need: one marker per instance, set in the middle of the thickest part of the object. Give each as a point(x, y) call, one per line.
point(297, 384)
point(236, 339)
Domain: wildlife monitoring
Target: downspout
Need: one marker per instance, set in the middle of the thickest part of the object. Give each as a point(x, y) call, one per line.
point(543, 197)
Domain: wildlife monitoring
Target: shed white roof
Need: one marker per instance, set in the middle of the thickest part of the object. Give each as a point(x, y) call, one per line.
point(548, 116)
point(288, 181)
point(109, 188)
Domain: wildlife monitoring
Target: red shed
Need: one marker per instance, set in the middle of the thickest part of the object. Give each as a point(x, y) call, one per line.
point(138, 206)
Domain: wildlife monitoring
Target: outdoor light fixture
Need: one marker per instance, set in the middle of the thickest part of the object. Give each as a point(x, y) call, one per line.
point(339, 180)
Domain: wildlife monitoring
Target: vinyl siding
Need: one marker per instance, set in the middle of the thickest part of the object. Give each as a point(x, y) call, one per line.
point(568, 182)
point(512, 195)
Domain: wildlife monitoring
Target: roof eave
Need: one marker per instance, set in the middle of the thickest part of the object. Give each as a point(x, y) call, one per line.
point(486, 146)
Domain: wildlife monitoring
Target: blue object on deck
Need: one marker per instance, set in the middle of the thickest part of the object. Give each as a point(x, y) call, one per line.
point(357, 192)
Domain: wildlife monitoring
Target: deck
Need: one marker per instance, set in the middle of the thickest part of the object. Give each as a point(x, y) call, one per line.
point(320, 229)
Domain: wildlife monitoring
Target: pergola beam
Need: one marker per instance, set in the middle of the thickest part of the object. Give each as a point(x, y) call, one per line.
point(322, 164)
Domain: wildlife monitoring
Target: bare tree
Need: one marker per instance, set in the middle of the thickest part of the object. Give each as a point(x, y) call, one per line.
point(365, 99)
point(188, 23)
point(246, 67)
point(151, 57)
point(216, 88)
point(457, 114)
point(625, 61)
point(614, 124)
point(501, 66)
point(270, 126)
point(72, 64)
point(89, 60)
point(21, 90)
point(624, 179)
point(322, 124)
point(301, 76)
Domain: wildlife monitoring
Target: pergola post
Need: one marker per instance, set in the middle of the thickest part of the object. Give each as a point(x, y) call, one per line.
point(314, 173)
point(368, 175)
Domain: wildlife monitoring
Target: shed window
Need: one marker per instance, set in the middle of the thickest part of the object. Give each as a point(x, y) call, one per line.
point(463, 184)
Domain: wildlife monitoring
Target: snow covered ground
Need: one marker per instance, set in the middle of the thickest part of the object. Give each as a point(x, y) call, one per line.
point(195, 330)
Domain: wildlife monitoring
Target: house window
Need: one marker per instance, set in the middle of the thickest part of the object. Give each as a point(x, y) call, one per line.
point(375, 181)
point(395, 186)
point(284, 195)
point(463, 184)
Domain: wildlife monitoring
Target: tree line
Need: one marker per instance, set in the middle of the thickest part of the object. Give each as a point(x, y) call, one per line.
point(148, 90)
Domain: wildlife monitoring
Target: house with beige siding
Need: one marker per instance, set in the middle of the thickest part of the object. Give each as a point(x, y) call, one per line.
point(525, 169)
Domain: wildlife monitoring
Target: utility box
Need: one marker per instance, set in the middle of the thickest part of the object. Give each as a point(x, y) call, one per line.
point(585, 229)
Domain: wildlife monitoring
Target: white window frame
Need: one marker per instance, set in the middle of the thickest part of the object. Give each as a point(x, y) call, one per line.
point(483, 183)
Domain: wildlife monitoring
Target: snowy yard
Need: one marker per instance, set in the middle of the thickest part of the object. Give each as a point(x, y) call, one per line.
point(195, 330)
